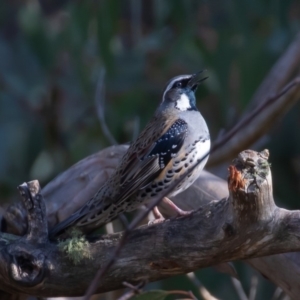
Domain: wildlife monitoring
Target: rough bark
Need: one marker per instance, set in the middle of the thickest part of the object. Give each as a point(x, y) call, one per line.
point(246, 225)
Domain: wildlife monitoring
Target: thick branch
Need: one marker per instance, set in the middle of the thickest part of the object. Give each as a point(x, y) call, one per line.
point(246, 225)
point(25, 259)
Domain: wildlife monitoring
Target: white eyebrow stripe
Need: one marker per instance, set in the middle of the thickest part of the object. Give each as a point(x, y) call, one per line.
point(180, 77)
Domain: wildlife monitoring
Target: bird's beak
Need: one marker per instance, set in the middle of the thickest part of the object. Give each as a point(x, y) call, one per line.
point(195, 80)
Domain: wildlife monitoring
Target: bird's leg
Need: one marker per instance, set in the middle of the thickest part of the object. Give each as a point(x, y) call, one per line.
point(174, 207)
point(171, 205)
point(157, 215)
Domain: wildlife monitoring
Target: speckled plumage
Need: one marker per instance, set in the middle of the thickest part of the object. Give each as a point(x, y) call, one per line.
point(172, 142)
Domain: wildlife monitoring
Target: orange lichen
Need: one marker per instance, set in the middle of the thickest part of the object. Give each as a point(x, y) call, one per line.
point(235, 180)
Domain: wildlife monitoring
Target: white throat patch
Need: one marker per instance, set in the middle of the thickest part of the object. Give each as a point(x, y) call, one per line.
point(183, 103)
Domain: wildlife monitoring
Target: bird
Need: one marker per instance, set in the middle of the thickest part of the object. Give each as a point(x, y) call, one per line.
point(171, 145)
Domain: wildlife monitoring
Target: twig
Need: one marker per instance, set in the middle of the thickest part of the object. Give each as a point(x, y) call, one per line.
point(109, 228)
point(123, 220)
point(184, 293)
point(239, 289)
point(278, 292)
point(251, 116)
point(99, 103)
point(227, 268)
point(205, 294)
point(134, 290)
point(254, 124)
point(127, 295)
point(253, 288)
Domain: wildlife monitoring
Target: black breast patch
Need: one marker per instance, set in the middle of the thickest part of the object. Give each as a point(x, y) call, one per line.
point(169, 144)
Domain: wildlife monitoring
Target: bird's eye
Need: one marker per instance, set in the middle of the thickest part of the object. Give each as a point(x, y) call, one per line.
point(178, 84)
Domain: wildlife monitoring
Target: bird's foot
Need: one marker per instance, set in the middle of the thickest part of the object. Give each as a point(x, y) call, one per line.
point(175, 208)
point(157, 215)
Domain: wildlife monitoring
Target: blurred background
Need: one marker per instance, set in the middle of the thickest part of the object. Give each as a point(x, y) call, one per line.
point(54, 55)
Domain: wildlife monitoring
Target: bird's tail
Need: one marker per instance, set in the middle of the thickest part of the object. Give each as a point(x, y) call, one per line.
point(61, 227)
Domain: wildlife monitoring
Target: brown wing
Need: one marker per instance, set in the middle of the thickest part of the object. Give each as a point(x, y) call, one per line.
point(150, 155)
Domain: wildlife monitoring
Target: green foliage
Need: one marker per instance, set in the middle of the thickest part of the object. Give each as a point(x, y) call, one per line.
point(76, 247)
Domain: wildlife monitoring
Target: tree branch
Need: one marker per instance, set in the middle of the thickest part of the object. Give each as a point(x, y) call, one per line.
point(256, 123)
point(247, 225)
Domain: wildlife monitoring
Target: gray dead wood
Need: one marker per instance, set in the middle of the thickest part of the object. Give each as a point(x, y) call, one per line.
point(246, 225)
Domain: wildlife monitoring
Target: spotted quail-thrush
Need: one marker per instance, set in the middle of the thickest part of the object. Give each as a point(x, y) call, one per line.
point(174, 140)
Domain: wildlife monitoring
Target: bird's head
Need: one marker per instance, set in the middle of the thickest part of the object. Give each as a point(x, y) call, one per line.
point(180, 91)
